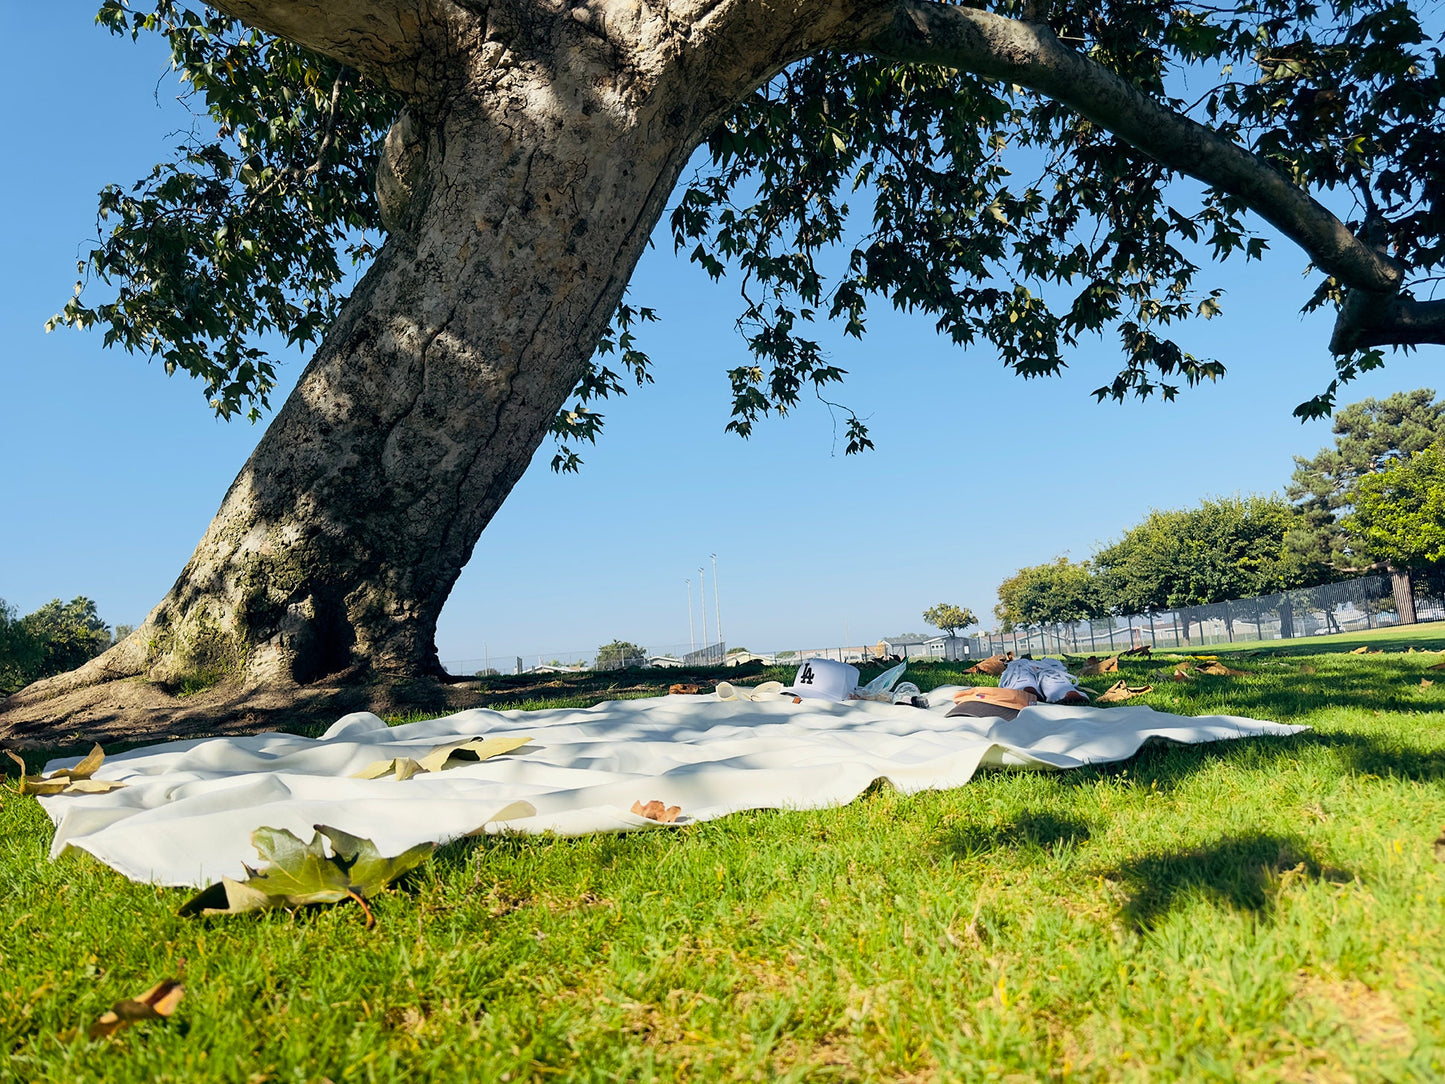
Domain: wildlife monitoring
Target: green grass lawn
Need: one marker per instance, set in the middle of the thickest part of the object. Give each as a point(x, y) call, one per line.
point(1262, 910)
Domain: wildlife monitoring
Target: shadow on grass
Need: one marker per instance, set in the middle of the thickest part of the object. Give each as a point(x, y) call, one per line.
point(1244, 873)
point(1168, 764)
point(1042, 830)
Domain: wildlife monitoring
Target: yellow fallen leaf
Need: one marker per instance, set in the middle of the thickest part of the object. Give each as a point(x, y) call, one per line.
point(1360, 651)
point(442, 757)
point(1425, 683)
point(76, 780)
point(156, 1003)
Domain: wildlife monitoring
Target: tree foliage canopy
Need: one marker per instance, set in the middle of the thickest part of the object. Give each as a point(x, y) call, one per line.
point(1007, 212)
point(1398, 517)
point(620, 654)
point(1048, 594)
point(1369, 436)
point(949, 618)
point(1225, 548)
point(57, 637)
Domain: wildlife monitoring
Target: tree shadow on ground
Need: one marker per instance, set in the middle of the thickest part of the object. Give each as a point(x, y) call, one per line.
point(1240, 872)
point(1166, 765)
point(1042, 830)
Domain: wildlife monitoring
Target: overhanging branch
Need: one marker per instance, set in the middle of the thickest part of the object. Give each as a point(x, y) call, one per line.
point(1031, 56)
point(380, 37)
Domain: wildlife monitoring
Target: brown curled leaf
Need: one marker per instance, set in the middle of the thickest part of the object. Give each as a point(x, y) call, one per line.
point(157, 1003)
point(656, 811)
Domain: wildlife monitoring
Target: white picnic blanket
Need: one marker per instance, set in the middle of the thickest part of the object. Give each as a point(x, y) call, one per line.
point(187, 812)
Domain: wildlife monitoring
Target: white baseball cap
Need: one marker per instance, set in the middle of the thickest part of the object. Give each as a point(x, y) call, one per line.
point(824, 679)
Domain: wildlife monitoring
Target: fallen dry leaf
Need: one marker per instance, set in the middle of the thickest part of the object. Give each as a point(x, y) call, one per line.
point(993, 666)
point(1440, 847)
point(1181, 675)
point(1101, 666)
point(1436, 666)
point(1121, 691)
point(442, 757)
point(1360, 651)
point(1218, 669)
point(155, 1004)
point(1143, 650)
point(683, 690)
point(656, 811)
point(1425, 683)
point(76, 780)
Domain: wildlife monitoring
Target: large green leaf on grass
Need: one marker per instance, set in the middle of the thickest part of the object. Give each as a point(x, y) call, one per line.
point(297, 873)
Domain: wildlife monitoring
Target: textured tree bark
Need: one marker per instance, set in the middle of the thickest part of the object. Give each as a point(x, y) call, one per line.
point(1404, 591)
point(520, 189)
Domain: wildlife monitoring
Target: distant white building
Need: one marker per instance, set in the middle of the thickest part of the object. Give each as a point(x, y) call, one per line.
point(925, 647)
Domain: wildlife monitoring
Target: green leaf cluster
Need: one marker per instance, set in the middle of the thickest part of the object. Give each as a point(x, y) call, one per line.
point(297, 873)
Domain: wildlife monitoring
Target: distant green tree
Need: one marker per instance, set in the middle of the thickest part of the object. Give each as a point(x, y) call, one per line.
point(1225, 548)
point(72, 632)
point(619, 654)
point(21, 652)
point(1047, 595)
point(949, 618)
point(1399, 516)
point(1369, 435)
point(55, 638)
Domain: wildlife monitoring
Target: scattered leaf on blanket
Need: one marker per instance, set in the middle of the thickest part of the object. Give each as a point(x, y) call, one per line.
point(994, 665)
point(1121, 691)
point(442, 757)
point(1440, 847)
point(656, 811)
point(76, 780)
point(299, 873)
point(1218, 669)
point(469, 752)
point(1425, 683)
point(157, 1003)
point(683, 690)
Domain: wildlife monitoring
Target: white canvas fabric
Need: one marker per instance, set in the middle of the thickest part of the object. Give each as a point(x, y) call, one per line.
point(187, 813)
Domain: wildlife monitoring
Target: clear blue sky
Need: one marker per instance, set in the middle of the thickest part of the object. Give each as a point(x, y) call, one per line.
point(109, 470)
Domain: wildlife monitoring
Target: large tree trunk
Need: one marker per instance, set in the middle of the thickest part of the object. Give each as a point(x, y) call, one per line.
point(519, 201)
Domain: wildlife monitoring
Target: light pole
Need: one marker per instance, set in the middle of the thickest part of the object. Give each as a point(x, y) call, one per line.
point(702, 595)
point(716, 604)
point(691, 638)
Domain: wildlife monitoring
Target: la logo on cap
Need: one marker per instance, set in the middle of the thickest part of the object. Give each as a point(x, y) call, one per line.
point(824, 679)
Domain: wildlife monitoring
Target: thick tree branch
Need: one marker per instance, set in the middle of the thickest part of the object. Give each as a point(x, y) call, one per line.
point(378, 37)
point(1368, 320)
point(1031, 56)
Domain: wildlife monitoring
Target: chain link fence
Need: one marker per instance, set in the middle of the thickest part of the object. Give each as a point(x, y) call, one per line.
point(1358, 605)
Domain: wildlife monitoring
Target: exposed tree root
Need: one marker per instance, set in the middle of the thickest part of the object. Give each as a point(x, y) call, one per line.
point(135, 711)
